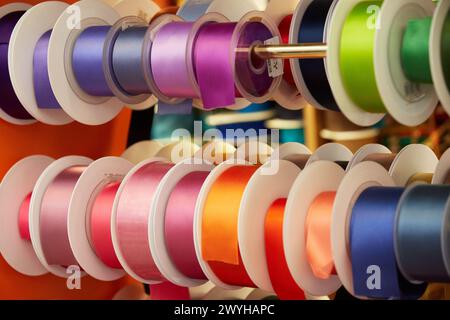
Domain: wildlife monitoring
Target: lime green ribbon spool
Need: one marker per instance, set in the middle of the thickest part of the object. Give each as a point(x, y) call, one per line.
point(415, 51)
point(445, 50)
point(357, 57)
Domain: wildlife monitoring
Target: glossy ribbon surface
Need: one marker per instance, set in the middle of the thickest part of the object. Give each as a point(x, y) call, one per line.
point(24, 219)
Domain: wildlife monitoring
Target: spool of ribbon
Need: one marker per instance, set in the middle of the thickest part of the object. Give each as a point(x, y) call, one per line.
point(87, 61)
point(9, 103)
point(372, 246)
point(318, 236)
point(423, 178)
point(384, 159)
point(24, 220)
point(284, 27)
point(100, 225)
point(415, 50)
point(54, 215)
point(179, 224)
point(312, 30)
point(127, 64)
point(283, 284)
point(132, 219)
point(42, 88)
point(421, 233)
point(445, 50)
point(357, 58)
point(220, 248)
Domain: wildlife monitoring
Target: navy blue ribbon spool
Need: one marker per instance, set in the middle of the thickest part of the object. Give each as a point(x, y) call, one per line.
point(9, 102)
point(87, 61)
point(422, 233)
point(42, 88)
point(312, 29)
point(372, 245)
point(127, 61)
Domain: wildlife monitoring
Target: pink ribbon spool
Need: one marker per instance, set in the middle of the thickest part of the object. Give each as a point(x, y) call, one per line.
point(24, 219)
point(54, 215)
point(132, 218)
point(179, 224)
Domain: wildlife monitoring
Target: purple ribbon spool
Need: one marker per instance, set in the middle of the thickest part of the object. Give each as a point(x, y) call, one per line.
point(87, 61)
point(43, 90)
point(9, 103)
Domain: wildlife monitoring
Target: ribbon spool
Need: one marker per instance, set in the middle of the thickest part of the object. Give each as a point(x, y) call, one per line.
point(78, 104)
point(89, 220)
point(342, 40)
point(375, 153)
point(402, 60)
point(307, 228)
point(215, 152)
point(439, 48)
point(130, 220)
point(216, 225)
point(15, 196)
point(178, 151)
point(422, 218)
point(11, 109)
point(261, 222)
point(294, 152)
point(49, 211)
point(372, 246)
point(363, 176)
point(172, 223)
point(442, 172)
point(254, 152)
point(29, 69)
point(310, 25)
point(287, 95)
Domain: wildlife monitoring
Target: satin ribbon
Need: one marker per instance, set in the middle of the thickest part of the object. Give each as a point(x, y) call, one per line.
point(284, 27)
point(421, 237)
point(283, 284)
point(169, 60)
point(384, 159)
point(87, 61)
point(127, 61)
point(42, 88)
point(312, 30)
point(318, 236)
point(214, 65)
point(357, 58)
point(372, 244)
point(24, 218)
point(426, 178)
point(179, 224)
point(100, 225)
point(133, 211)
point(9, 103)
point(415, 50)
point(169, 291)
point(53, 217)
point(192, 10)
point(220, 248)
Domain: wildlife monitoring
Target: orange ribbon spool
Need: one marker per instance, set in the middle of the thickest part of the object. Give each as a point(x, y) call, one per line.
point(280, 276)
point(284, 27)
point(318, 236)
point(220, 247)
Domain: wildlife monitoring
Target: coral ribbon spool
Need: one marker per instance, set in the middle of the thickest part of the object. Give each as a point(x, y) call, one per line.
point(318, 235)
point(54, 215)
point(133, 211)
point(220, 248)
point(100, 225)
point(10, 104)
point(24, 218)
point(284, 28)
point(283, 283)
point(42, 88)
point(179, 224)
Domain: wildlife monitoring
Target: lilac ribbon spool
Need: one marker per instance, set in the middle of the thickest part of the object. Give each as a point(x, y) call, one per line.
point(87, 61)
point(9, 103)
point(43, 90)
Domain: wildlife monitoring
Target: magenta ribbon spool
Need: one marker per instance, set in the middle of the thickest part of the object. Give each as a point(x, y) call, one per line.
point(9, 102)
point(179, 224)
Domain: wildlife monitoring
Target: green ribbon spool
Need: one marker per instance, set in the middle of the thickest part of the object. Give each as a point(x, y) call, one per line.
point(357, 57)
point(415, 51)
point(445, 50)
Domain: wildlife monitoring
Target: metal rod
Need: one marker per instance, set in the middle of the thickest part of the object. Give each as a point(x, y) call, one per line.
point(291, 51)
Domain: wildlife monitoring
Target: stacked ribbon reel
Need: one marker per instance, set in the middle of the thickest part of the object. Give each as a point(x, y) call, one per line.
point(286, 221)
point(363, 58)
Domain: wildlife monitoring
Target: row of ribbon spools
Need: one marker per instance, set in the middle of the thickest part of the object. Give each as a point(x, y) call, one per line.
point(84, 62)
point(286, 221)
